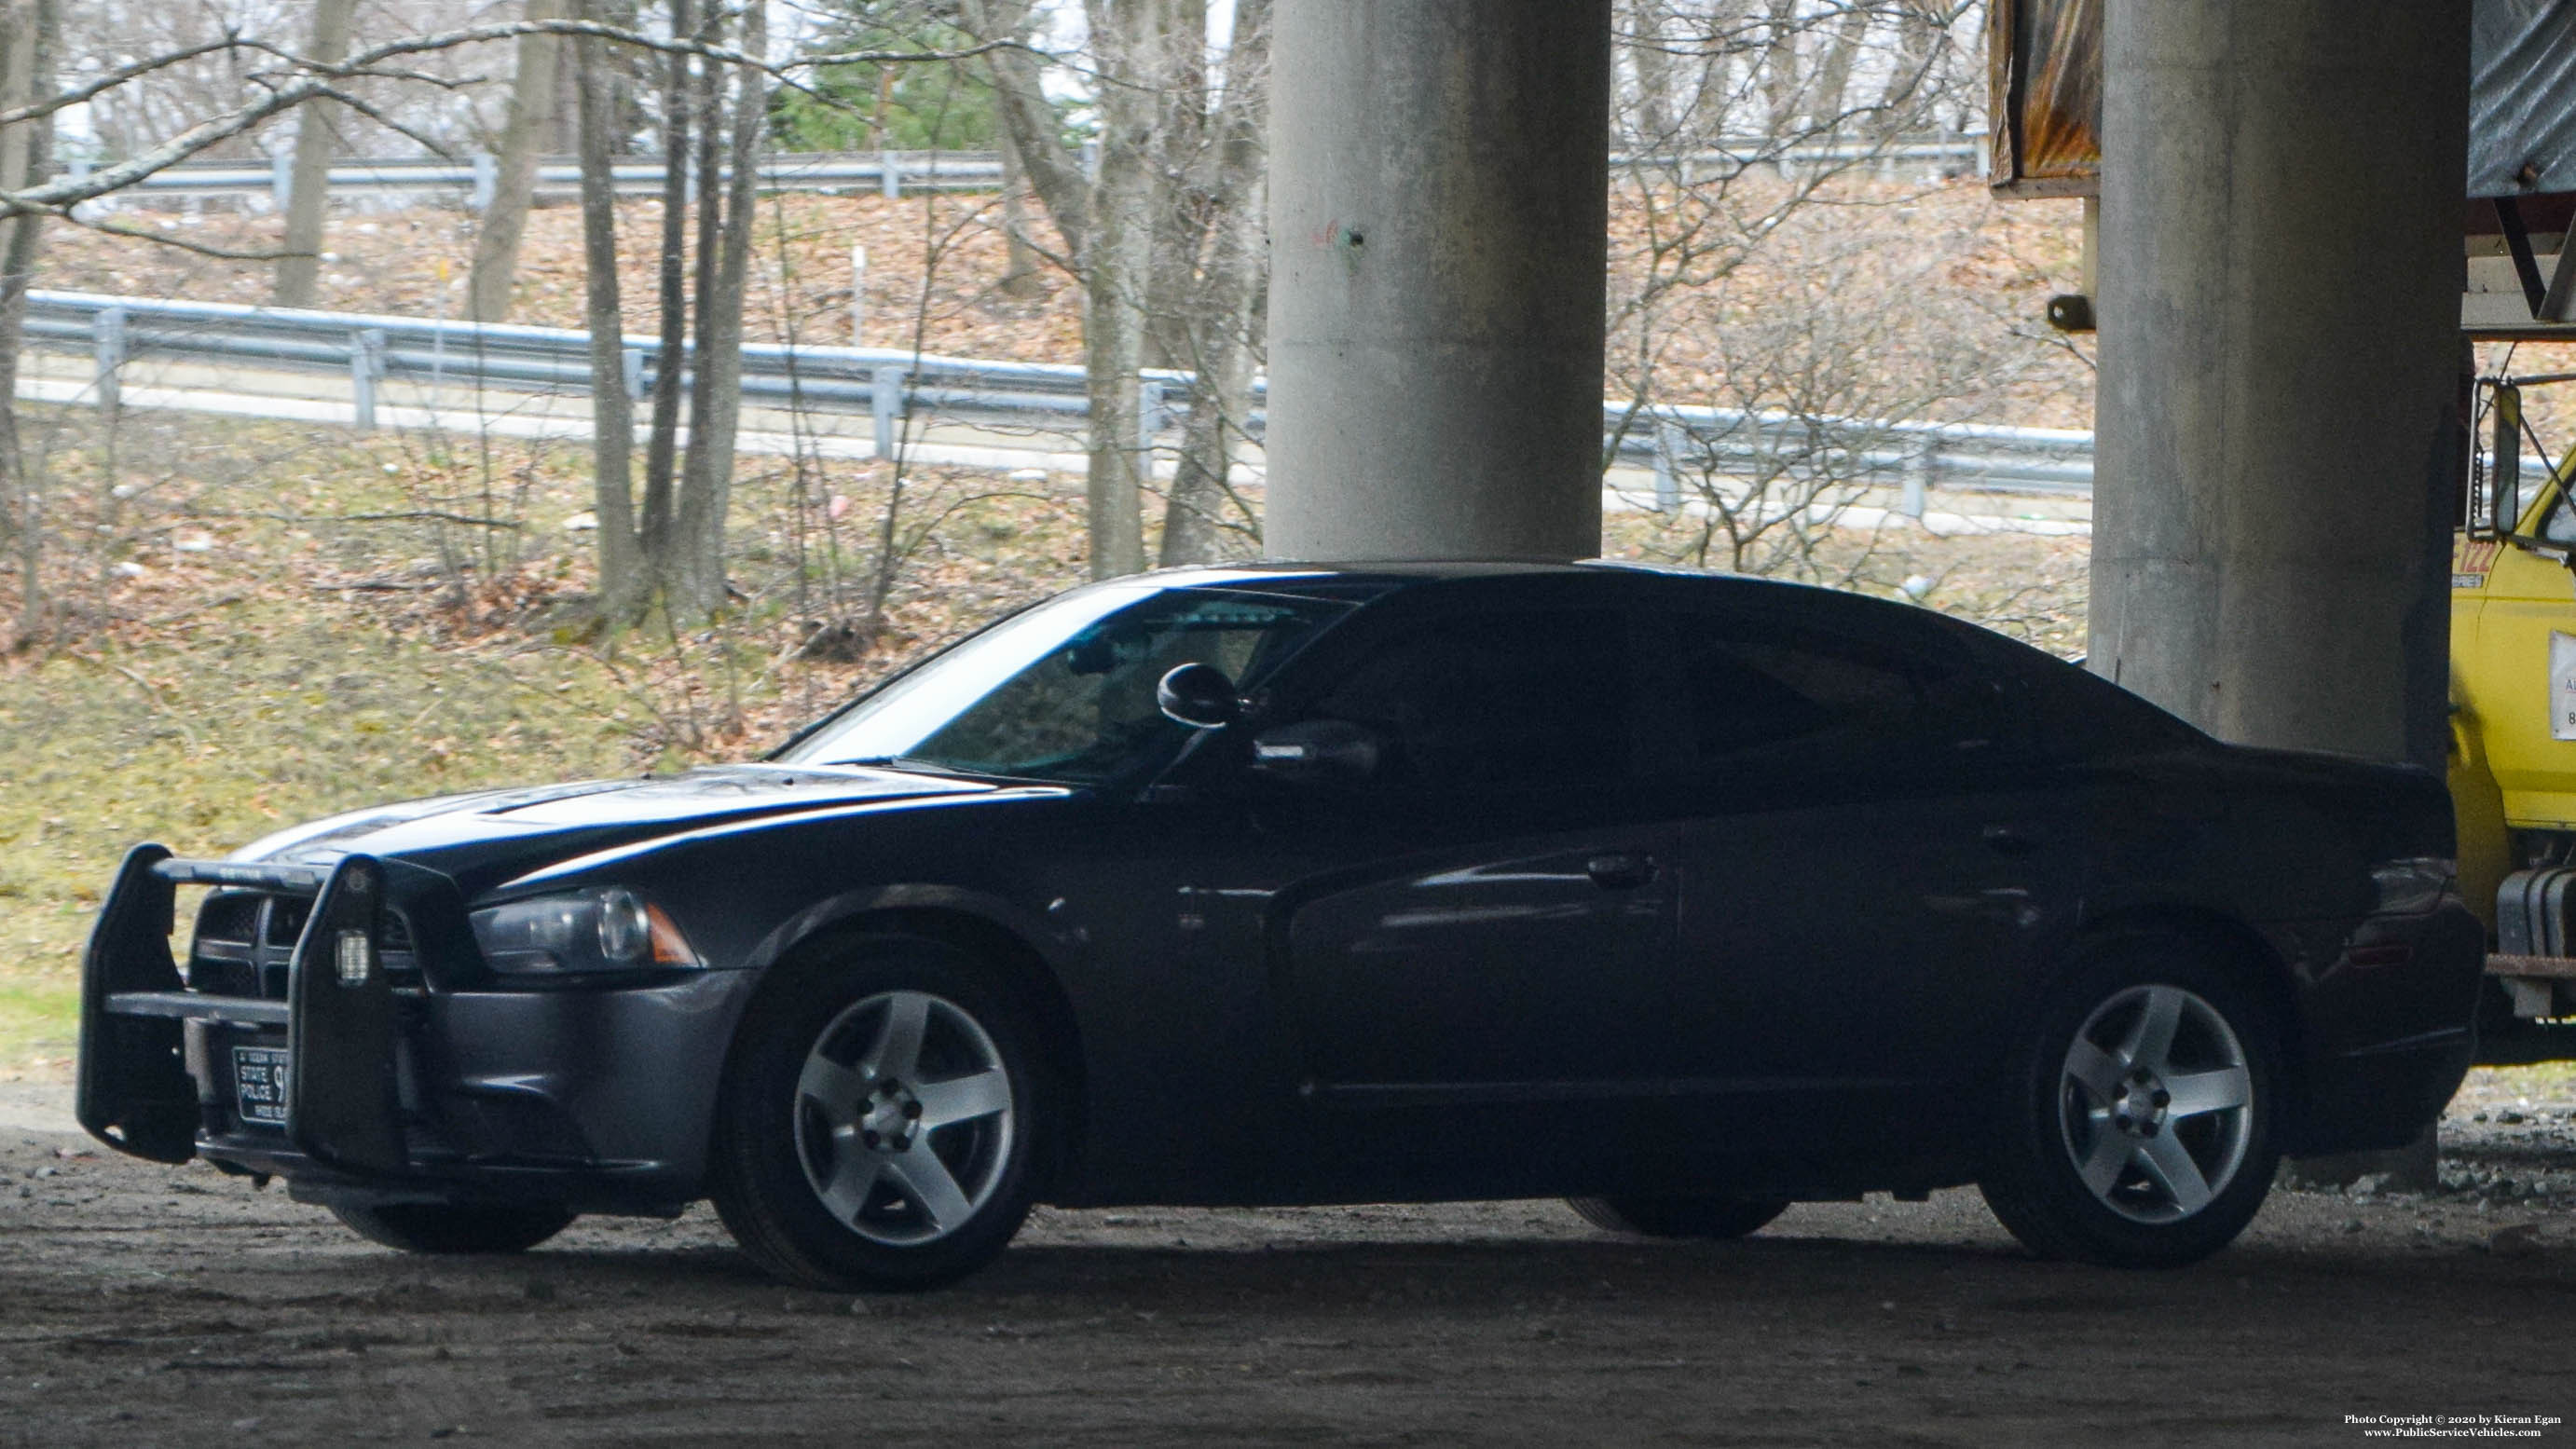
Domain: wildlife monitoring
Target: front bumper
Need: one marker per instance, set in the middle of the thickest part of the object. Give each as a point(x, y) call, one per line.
point(438, 1088)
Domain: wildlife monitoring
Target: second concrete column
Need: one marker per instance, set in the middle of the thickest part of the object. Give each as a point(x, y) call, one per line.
point(1439, 222)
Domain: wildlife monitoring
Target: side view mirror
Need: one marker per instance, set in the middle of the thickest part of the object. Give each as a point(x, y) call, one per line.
point(1318, 750)
point(1198, 695)
point(2504, 494)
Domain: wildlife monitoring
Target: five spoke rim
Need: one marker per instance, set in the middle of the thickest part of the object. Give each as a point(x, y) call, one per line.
point(904, 1115)
point(2156, 1103)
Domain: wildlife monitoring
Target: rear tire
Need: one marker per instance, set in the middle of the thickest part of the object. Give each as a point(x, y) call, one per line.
point(448, 1228)
point(1679, 1217)
point(881, 1123)
point(2139, 1130)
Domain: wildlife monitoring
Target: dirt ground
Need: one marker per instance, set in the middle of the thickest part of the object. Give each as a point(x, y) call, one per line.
point(148, 1306)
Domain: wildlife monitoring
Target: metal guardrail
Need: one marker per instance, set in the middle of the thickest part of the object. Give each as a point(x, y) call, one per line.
point(893, 384)
point(894, 173)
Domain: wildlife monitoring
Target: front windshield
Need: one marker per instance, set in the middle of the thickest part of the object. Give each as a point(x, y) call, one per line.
point(1065, 691)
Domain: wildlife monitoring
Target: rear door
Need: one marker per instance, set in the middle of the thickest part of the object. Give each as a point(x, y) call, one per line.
point(1865, 866)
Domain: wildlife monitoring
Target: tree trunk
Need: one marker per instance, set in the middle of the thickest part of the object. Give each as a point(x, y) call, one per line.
point(532, 109)
point(1020, 260)
point(1225, 321)
point(662, 447)
point(308, 194)
point(1117, 262)
point(1701, 116)
point(1643, 20)
point(1780, 69)
point(26, 71)
point(1174, 68)
point(1833, 77)
point(1902, 101)
point(684, 565)
point(1054, 172)
point(612, 410)
point(718, 397)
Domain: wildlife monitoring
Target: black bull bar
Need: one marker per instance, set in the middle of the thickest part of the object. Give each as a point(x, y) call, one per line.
point(137, 1090)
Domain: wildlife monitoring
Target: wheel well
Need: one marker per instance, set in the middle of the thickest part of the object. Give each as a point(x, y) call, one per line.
point(1010, 957)
point(2265, 969)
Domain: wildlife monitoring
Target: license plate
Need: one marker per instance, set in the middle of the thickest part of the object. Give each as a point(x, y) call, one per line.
point(259, 1082)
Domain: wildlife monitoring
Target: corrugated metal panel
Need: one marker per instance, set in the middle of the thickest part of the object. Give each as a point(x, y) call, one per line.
point(2522, 97)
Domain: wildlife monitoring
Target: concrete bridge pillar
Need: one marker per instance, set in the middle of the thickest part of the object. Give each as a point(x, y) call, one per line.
point(1438, 224)
point(2277, 425)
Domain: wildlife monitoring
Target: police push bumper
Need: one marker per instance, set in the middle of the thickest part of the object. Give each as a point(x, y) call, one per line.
point(166, 1068)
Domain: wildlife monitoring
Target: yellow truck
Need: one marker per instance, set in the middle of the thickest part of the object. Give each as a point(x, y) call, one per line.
point(2513, 731)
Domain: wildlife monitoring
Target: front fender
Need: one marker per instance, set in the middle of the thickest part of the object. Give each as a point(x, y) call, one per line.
point(1056, 946)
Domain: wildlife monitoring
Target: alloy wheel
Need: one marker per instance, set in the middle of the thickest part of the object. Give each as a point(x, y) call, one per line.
point(904, 1115)
point(2156, 1103)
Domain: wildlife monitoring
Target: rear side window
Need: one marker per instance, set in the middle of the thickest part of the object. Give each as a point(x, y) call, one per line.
point(1723, 691)
point(2074, 714)
point(1496, 700)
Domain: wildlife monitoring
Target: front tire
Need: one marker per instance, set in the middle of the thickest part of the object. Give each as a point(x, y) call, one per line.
point(2140, 1130)
point(453, 1228)
point(879, 1126)
point(1679, 1217)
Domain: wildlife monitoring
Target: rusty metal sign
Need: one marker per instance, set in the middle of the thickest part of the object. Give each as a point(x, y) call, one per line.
point(2044, 59)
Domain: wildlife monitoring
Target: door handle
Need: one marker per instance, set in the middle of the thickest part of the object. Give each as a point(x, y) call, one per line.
point(2010, 839)
point(1620, 872)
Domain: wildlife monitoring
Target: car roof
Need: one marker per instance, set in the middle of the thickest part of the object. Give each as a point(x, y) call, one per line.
point(1426, 570)
point(1400, 575)
point(1815, 603)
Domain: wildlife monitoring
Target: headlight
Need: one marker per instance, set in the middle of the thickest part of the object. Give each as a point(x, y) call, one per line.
point(2412, 886)
point(608, 929)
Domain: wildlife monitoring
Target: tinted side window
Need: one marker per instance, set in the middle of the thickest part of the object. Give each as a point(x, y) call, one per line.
point(1499, 699)
point(1727, 690)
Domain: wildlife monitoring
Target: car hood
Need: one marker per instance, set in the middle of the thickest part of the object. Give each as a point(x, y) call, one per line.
point(491, 827)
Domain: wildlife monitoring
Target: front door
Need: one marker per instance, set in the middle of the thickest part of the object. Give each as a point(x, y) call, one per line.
point(1477, 981)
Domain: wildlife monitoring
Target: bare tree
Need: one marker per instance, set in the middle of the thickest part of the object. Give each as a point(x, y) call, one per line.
point(1697, 216)
point(1154, 240)
point(309, 193)
point(1794, 422)
point(1022, 266)
point(1218, 326)
point(1652, 68)
point(677, 539)
point(206, 74)
point(1022, 262)
point(27, 37)
point(696, 569)
point(505, 218)
point(621, 572)
point(713, 115)
point(1117, 268)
